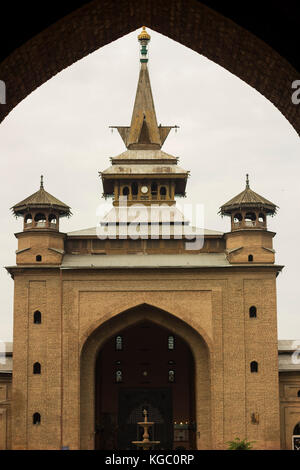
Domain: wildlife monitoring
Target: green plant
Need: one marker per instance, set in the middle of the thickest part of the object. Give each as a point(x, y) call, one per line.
point(238, 444)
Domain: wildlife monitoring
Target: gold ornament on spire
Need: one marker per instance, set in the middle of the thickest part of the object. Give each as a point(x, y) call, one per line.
point(144, 35)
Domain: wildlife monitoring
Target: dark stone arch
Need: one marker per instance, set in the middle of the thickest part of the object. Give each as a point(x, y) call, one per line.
point(188, 22)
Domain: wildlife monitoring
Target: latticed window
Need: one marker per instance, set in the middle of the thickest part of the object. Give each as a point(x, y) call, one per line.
point(119, 343)
point(119, 376)
point(171, 342)
point(171, 375)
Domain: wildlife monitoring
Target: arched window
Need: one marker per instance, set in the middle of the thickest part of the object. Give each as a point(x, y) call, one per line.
point(250, 257)
point(254, 366)
point(250, 219)
point(154, 189)
point(252, 312)
point(28, 219)
point(36, 418)
point(38, 258)
point(36, 368)
point(163, 191)
point(119, 343)
point(261, 217)
point(40, 220)
point(171, 342)
point(171, 375)
point(134, 188)
point(119, 376)
point(52, 219)
point(237, 218)
point(125, 191)
point(37, 317)
point(250, 216)
point(296, 431)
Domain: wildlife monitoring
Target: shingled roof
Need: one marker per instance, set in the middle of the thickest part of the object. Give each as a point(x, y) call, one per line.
point(248, 199)
point(41, 199)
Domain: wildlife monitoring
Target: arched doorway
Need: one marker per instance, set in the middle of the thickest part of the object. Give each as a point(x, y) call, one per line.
point(194, 385)
point(147, 367)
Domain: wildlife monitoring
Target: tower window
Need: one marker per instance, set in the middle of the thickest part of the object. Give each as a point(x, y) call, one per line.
point(154, 189)
point(36, 368)
point(250, 216)
point(37, 317)
point(40, 220)
point(254, 366)
point(52, 219)
point(261, 218)
point(134, 189)
point(250, 257)
point(252, 312)
point(171, 375)
point(119, 376)
point(237, 218)
point(38, 258)
point(171, 342)
point(36, 418)
point(125, 191)
point(119, 343)
point(163, 191)
point(28, 219)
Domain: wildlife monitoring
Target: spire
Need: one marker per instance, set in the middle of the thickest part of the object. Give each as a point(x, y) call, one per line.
point(42, 182)
point(144, 133)
point(247, 181)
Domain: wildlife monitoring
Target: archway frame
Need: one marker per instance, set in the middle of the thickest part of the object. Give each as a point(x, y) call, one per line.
point(188, 22)
point(200, 348)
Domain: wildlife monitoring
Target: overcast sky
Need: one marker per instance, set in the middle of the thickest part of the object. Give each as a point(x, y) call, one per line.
point(226, 130)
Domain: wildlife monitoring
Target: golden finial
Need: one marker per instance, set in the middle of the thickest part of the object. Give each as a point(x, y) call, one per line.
point(144, 35)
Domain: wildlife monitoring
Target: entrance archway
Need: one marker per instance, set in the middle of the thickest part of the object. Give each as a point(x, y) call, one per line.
point(106, 404)
point(147, 367)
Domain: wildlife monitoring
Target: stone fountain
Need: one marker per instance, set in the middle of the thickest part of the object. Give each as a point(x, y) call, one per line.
point(145, 444)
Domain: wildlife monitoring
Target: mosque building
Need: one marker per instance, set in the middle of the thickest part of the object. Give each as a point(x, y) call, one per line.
point(146, 311)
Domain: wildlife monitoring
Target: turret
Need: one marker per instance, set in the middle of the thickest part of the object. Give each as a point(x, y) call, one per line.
point(249, 240)
point(40, 241)
point(144, 173)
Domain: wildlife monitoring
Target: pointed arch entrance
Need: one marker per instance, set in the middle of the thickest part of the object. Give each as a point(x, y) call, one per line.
point(127, 365)
point(147, 367)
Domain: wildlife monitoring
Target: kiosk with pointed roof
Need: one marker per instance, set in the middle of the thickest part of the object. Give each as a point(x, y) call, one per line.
point(249, 239)
point(40, 240)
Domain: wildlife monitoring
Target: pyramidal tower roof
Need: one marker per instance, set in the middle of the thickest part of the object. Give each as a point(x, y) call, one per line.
point(41, 199)
point(248, 199)
point(144, 132)
point(143, 158)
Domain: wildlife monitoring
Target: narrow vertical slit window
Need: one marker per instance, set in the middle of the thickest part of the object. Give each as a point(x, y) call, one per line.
point(171, 342)
point(119, 343)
